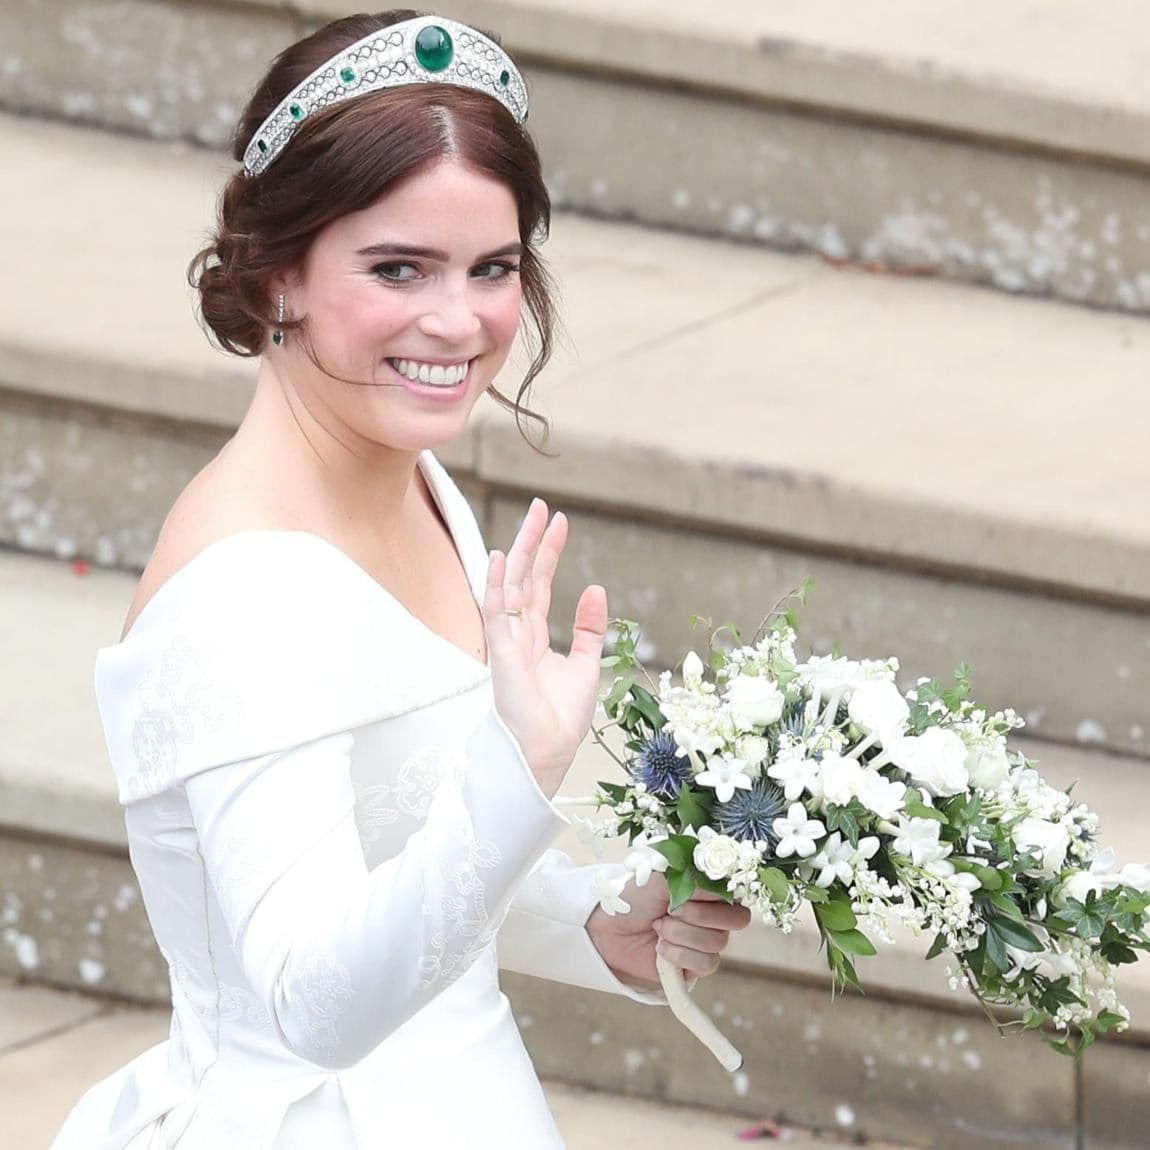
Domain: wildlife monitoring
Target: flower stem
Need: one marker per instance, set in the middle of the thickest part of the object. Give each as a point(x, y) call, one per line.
point(690, 1014)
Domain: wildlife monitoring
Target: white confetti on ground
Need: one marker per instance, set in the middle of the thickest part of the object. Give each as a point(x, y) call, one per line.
point(741, 1083)
point(844, 1115)
point(972, 1058)
point(91, 971)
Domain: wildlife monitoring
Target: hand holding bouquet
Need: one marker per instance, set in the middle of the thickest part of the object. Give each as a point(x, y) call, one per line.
point(781, 783)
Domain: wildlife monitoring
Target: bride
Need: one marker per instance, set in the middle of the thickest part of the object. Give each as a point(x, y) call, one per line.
point(335, 719)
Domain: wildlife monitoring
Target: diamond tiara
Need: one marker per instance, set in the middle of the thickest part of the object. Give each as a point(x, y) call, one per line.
point(429, 49)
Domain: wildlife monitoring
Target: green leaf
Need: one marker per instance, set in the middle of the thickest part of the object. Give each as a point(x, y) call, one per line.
point(936, 947)
point(775, 882)
point(996, 951)
point(1006, 905)
point(843, 968)
point(646, 704)
point(692, 809)
point(1015, 934)
point(846, 820)
point(836, 915)
point(678, 850)
point(610, 660)
point(852, 941)
point(616, 791)
point(681, 885)
point(916, 808)
point(1108, 1020)
point(714, 885)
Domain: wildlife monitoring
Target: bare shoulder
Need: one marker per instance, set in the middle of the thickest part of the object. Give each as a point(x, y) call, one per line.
point(214, 505)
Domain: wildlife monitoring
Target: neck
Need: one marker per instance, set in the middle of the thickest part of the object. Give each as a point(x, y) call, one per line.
point(320, 473)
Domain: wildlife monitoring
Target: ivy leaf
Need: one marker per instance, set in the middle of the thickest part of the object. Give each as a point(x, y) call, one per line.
point(916, 808)
point(693, 810)
point(678, 850)
point(1109, 1020)
point(681, 884)
point(846, 820)
point(616, 791)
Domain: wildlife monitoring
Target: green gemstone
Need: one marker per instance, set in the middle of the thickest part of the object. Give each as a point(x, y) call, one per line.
point(347, 74)
point(505, 78)
point(296, 111)
point(277, 337)
point(433, 48)
point(262, 145)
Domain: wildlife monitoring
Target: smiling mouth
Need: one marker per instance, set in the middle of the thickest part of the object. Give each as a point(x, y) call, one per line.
point(433, 374)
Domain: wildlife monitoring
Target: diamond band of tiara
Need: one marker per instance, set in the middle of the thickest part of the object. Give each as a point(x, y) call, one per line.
point(429, 49)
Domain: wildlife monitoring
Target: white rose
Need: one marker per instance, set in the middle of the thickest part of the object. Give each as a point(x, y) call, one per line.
point(1078, 886)
point(987, 764)
point(1136, 875)
point(880, 709)
point(936, 760)
point(1050, 840)
point(754, 701)
point(717, 856)
point(752, 749)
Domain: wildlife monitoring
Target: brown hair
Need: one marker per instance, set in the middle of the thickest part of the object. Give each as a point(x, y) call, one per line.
point(341, 160)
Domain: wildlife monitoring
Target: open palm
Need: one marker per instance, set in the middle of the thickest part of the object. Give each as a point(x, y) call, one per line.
point(547, 700)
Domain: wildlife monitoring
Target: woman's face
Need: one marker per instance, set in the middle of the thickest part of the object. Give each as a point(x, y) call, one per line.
point(419, 293)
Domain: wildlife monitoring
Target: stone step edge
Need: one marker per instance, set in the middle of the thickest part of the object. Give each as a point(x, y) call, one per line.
point(35, 807)
point(861, 86)
point(733, 497)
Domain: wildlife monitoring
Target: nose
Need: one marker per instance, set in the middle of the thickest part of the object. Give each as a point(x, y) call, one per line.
point(450, 316)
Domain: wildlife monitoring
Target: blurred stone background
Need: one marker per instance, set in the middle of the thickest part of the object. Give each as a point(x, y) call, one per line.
point(851, 291)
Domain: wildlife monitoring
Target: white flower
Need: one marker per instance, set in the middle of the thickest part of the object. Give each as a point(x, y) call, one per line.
point(752, 749)
point(1050, 840)
point(794, 774)
point(918, 841)
point(987, 763)
point(692, 670)
point(936, 760)
point(1136, 875)
point(828, 676)
point(716, 855)
point(642, 859)
point(797, 833)
point(725, 774)
point(879, 709)
point(754, 701)
point(839, 779)
point(609, 890)
point(838, 858)
point(881, 795)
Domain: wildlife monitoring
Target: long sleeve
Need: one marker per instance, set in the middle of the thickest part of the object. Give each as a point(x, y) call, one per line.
point(545, 931)
point(341, 955)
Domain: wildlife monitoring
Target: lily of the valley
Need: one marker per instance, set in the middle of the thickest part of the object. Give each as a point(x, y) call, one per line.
point(797, 833)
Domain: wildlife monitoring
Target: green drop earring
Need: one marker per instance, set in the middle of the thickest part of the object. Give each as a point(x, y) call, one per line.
point(278, 334)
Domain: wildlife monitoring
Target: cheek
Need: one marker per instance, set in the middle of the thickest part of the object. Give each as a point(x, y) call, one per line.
point(502, 315)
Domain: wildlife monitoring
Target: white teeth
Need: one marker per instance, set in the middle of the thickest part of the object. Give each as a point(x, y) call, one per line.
point(435, 374)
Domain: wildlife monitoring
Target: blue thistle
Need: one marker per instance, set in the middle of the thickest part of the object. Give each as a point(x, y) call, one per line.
point(659, 769)
point(750, 816)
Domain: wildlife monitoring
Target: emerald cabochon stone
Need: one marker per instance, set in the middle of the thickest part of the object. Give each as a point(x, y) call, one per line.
point(433, 48)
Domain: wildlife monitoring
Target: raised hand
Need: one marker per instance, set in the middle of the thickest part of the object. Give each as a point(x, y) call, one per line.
point(547, 700)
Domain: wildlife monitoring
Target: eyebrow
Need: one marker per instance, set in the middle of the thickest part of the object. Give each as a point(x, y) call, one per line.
point(375, 251)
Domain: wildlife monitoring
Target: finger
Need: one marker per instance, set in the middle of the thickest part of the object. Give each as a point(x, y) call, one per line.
point(495, 618)
point(546, 563)
point(720, 915)
point(590, 630)
point(687, 960)
point(700, 938)
point(521, 556)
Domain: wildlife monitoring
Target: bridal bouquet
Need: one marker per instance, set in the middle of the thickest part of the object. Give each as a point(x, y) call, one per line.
point(792, 785)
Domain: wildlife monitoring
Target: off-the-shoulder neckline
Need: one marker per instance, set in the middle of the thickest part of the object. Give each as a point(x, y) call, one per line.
point(166, 589)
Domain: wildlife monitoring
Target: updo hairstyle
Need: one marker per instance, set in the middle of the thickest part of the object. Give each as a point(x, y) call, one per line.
point(341, 160)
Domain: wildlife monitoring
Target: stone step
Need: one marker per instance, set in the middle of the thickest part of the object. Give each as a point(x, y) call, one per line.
point(54, 1045)
point(728, 422)
point(71, 916)
point(910, 137)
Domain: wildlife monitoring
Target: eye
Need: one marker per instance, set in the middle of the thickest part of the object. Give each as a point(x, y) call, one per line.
point(396, 272)
point(495, 270)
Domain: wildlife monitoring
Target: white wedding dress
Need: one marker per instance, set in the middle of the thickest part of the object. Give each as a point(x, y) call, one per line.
point(334, 834)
